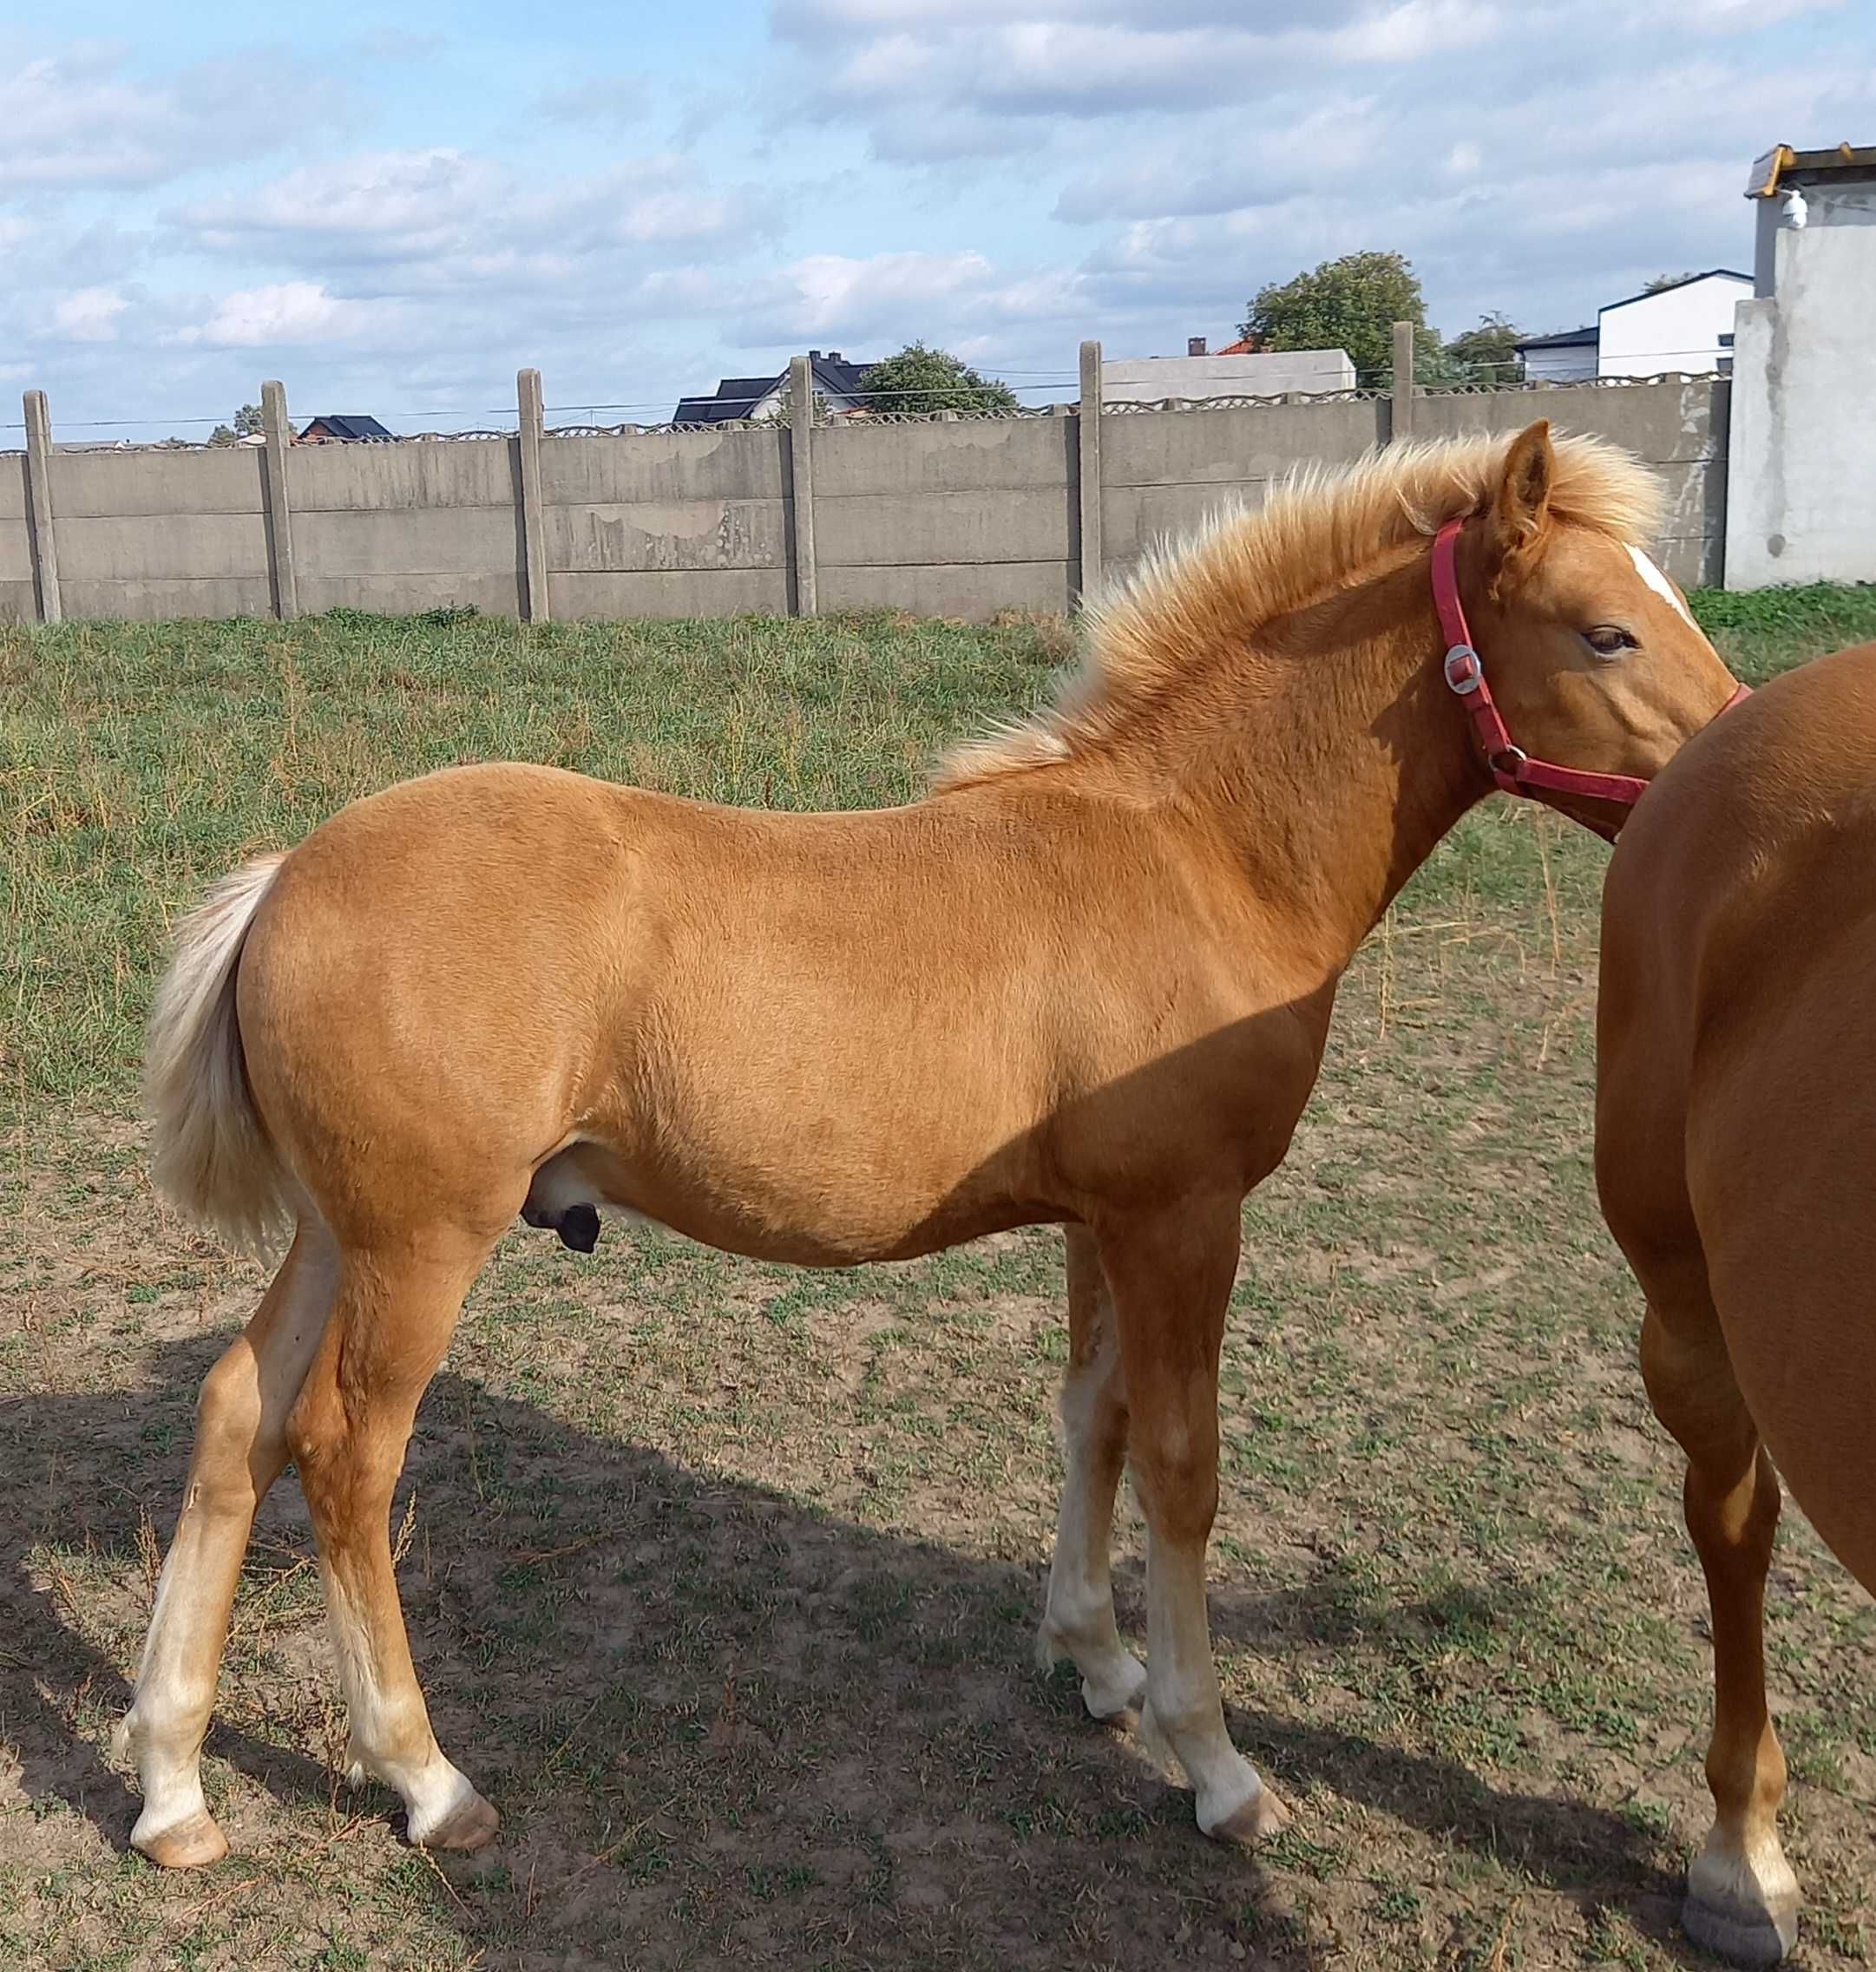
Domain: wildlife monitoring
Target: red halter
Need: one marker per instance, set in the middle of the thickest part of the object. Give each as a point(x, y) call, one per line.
point(1512, 767)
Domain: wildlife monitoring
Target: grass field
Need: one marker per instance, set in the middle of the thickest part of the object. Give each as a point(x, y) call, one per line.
point(722, 1578)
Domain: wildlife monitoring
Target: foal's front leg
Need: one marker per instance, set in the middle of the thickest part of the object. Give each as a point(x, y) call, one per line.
point(1170, 1279)
point(1078, 1620)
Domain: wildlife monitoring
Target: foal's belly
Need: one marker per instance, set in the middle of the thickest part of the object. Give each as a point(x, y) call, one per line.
point(807, 1214)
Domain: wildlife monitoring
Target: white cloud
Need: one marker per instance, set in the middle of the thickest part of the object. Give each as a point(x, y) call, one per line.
point(285, 312)
point(921, 77)
point(404, 222)
point(89, 315)
point(897, 298)
point(78, 119)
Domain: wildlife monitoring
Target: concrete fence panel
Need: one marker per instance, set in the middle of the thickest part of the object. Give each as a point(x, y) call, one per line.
point(152, 534)
point(963, 519)
point(17, 598)
point(667, 523)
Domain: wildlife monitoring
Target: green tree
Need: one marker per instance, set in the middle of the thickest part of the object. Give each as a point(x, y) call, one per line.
point(1351, 304)
point(924, 379)
point(1488, 354)
point(248, 424)
point(1661, 281)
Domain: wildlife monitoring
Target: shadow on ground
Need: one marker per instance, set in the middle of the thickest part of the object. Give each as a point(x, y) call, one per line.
point(718, 1722)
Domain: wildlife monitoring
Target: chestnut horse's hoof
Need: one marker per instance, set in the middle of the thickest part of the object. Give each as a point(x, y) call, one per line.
point(191, 1844)
point(1747, 1913)
point(1738, 1931)
point(470, 1826)
point(1261, 1817)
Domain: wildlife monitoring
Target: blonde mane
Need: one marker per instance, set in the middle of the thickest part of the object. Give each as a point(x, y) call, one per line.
point(1316, 531)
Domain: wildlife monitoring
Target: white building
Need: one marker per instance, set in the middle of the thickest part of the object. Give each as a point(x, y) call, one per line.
point(1686, 326)
point(1801, 465)
point(1232, 372)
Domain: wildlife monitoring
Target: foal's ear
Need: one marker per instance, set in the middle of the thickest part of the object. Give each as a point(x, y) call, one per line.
point(1520, 512)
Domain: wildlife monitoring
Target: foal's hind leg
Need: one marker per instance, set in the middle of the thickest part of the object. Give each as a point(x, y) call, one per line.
point(1742, 1897)
point(348, 1434)
point(241, 1447)
point(1078, 1619)
point(1172, 1284)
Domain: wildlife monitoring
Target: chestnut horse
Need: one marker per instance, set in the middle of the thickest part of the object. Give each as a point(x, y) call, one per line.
point(1085, 982)
point(1736, 1086)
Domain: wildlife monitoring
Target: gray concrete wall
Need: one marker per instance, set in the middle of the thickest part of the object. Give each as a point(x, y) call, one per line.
point(962, 519)
point(397, 527)
point(17, 603)
point(1804, 398)
point(667, 523)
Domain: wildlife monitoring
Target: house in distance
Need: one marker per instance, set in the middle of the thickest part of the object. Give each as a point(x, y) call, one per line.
point(840, 385)
point(1685, 324)
point(335, 431)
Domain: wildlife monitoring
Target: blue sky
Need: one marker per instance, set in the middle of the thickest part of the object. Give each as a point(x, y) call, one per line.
point(641, 198)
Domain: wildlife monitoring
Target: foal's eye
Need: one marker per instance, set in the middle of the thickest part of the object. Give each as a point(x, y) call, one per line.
point(1607, 641)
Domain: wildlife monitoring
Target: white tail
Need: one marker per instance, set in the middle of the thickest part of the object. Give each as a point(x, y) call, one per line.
point(210, 1156)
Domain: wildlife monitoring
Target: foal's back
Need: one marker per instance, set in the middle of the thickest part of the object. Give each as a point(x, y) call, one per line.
point(1736, 1091)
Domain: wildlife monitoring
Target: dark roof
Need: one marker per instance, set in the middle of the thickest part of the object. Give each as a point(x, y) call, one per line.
point(1565, 340)
point(353, 429)
point(737, 396)
point(1649, 294)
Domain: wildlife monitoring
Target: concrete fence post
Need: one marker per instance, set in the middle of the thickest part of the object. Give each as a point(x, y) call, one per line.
point(279, 434)
point(801, 482)
point(1088, 456)
point(1400, 407)
point(530, 424)
point(39, 524)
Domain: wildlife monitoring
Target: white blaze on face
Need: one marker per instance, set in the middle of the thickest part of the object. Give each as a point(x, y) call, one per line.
point(1659, 583)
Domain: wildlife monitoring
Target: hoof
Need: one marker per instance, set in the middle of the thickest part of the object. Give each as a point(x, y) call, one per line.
point(1743, 1906)
point(1122, 1719)
point(1736, 1931)
point(191, 1844)
point(471, 1826)
point(1260, 1817)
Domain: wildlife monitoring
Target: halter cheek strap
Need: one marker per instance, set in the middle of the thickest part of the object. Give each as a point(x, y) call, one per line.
point(1514, 770)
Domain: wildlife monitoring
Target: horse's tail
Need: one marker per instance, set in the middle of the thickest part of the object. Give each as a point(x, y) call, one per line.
point(211, 1153)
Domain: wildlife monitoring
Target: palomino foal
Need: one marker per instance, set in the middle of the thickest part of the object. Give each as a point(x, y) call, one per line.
point(1735, 1075)
point(1086, 981)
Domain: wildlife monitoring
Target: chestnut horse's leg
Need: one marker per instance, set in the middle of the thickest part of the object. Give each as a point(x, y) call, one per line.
point(1742, 1897)
point(1078, 1619)
point(240, 1448)
point(348, 1434)
point(1170, 1280)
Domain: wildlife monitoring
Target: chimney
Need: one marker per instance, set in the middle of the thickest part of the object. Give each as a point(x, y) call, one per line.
point(833, 356)
point(1194, 345)
point(814, 356)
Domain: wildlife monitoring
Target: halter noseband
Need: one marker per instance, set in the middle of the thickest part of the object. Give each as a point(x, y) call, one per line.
point(1514, 770)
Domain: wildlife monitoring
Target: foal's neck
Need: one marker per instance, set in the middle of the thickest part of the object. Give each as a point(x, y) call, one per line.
point(1340, 758)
